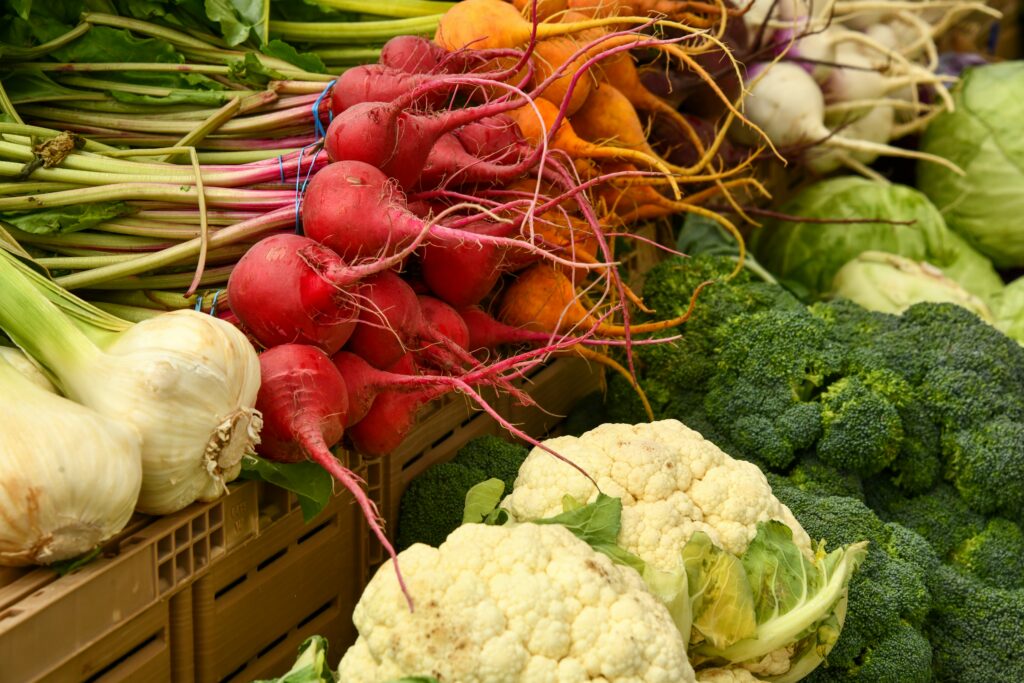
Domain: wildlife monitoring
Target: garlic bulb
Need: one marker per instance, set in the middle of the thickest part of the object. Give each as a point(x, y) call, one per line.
point(186, 380)
point(26, 367)
point(69, 477)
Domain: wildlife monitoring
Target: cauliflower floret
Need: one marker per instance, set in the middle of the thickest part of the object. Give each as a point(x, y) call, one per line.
point(522, 603)
point(671, 480)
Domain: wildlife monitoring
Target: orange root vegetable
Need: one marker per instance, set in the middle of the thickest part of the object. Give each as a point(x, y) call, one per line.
point(549, 55)
point(566, 139)
point(545, 8)
point(544, 299)
point(619, 70)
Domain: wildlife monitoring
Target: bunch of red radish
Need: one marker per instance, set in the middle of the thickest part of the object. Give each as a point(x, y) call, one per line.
point(432, 195)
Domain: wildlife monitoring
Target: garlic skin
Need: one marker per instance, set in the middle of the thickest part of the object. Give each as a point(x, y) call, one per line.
point(26, 367)
point(188, 382)
point(69, 477)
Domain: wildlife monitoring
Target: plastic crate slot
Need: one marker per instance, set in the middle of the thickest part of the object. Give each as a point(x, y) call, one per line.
point(227, 588)
point(271, 560)
point(201, 553)
point(155, 639)
point(199, 526)
point(217, 544)
point(182, 566)
point(165, 575)
point(216, 516)
point(416, 458)
point(274, 643)
point(182, 536)
point(317, 612)
point(236, 672)
point(314, 531)
point(164, 547)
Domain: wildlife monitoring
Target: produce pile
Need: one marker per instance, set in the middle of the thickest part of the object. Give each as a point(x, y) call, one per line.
point(238, 238)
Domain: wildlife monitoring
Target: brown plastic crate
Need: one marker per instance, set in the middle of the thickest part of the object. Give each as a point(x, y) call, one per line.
point(294, 579)
point(108, 619)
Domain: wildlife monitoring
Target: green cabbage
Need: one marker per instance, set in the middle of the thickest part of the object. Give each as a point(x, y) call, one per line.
point(805, 256)
point(984, 135)
point(1009, 310)
point(885, 282)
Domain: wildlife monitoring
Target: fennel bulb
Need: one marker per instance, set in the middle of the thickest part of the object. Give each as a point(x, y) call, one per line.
point(69, 477)
point(186, 380)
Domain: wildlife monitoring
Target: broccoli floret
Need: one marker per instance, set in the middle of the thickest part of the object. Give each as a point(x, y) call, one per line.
point(432, 505)
point(862, 429)
point(814, 476)
point(769, 365)
point(975, 629)
point(995, 555)
point(986, 464)
point(495, 457)
point(888, 596)
point(918, 467)
point(902, 655)
point(940, 516)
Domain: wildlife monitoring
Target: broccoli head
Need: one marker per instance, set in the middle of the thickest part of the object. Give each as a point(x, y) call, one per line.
point(995, 555)
point(888, 597)
point(432, 505)
point(985, 462)
point(814, 476)
point(975, 629)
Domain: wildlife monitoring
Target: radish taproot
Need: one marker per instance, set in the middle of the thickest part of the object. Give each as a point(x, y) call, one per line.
point(305, 404)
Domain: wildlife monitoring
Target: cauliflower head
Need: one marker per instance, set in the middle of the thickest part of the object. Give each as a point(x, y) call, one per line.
point(521, 603)
point(671, 480)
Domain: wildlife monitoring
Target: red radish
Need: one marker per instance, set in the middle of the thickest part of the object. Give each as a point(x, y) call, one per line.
point(493, 138)
point(380, 83)
point(288, 288)
point(396, 140)
point(390, 419)
point(463, 277)
point(450, 164)
point(412, 54)
point(445, 320)
point(391, 324)
point(305, 404)
point(354, 209)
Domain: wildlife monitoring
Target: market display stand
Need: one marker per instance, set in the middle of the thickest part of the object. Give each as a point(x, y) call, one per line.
point(226, 591)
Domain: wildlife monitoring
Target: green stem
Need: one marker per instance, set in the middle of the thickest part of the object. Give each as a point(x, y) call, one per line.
point(349, 55)
point(132, 314)
point(243, 157)
point(25, 130)
point(7, 106)
point(180, 252)
point(152, 90)
point(9, 52)
point(81, 262)
point(249, 124)
point(212, 276)
point(211, 124)
point(37, 325)
point(353, 32)
point(25, 188)
point(93, 241)
point(89, 67)
point(390, 8)
point(148, 298)
point(145, 28)
point(169, 193)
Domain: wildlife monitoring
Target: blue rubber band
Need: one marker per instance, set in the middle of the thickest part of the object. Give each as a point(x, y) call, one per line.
point(993, 37)
point(319, 127)
point(280, 166)
point(199, 303)
point(213, 304)
point(302, 190)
